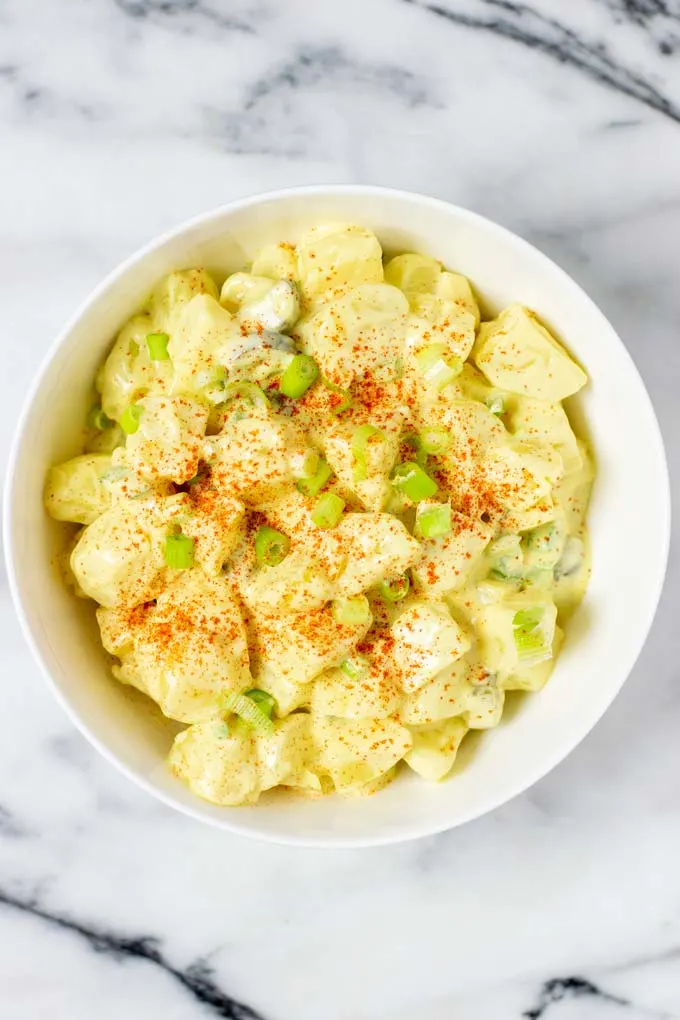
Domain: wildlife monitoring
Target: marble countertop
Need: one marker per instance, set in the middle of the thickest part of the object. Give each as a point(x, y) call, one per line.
point(561, 120)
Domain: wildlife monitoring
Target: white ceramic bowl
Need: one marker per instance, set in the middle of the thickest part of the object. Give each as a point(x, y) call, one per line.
point(629, 518)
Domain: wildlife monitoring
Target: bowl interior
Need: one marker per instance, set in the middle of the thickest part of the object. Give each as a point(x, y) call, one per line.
point(630, 511)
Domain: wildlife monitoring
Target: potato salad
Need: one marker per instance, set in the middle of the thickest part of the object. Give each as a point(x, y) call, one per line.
point(329, 518)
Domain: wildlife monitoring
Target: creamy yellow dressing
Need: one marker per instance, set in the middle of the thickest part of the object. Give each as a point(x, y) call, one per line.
point(329, 517)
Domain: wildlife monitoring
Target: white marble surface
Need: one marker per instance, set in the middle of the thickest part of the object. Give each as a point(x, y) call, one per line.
point(560, 119)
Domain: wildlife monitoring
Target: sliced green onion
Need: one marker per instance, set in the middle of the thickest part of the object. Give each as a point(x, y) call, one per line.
point(246, 708)
point(179, 552)
point(396, 590)
point(265, 701)
point(496, 405)
point(249, 391)
point(352, 612)
point(434, 521)
point(356, 667)
point(271, 547)
point(300, 374)
point(530, 640)
point(157, 344)
point(345, 401)
point(327, 510)
point(410, 479)
point(96, 419)
point(435, 368)
point(130, 418)
point(313, 484)
point(434, 439)
point(362, 436)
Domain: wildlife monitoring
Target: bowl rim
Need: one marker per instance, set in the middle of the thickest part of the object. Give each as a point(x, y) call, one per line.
point(229, 821)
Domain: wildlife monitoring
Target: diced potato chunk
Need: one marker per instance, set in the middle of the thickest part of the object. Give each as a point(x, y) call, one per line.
point(187, 650)
point(115, 561)
point(128, 372)
point(175, 291)
point(168, 442)
point(215, 522)
point(573, 492)
point(412, 273)
point(257, 456)
point(458, 289)
point(538, 419)
point(358, 333)
point(377, 546)
point(356, 751)
point(434, 320)
point(374, 696)
point(518, 354)
point(371, 486)
point(74, 489)
point(296, 584)
point(445, 695)
point(277, 261)
point(435, 748)
point(426, 639)
point(229, 768)
point(446, 562)
point(335, 258)
point(307, 645)
point(522, 472)
point(277, 309)
point(244, 288)
point(202, 330)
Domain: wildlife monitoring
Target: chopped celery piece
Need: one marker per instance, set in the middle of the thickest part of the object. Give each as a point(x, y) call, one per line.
point(410, 479)
point(246, 708)
point(351, 612)
point(179, 552)
point(395, 590)
point(434, 439)
point(300, 374)
point(434, 521)
point(528, 619)
point(271, 546)
point(130, 419)
point(265, 701)
point(327, 510)
point(157, 344)
point(435, 368)
point(362, 437)
point(530, 639)
point(356, 667)
point(313, 484)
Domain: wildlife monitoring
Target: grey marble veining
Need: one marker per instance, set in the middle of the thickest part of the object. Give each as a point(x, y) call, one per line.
point(558, 118)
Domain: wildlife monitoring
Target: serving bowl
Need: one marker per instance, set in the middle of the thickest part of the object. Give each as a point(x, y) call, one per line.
point(630, 512)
